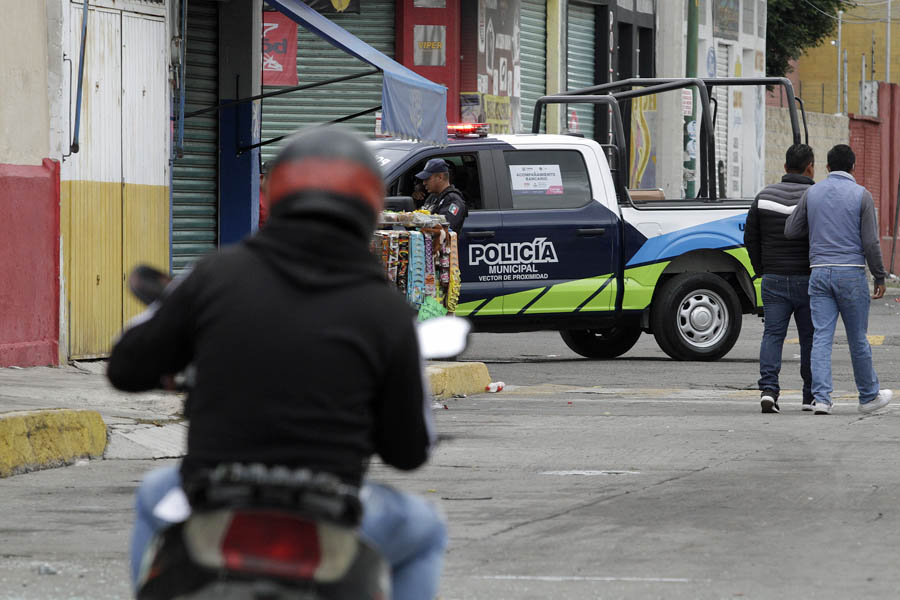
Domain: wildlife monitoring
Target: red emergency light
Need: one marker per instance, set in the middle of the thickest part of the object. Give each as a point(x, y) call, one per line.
point(467, 129)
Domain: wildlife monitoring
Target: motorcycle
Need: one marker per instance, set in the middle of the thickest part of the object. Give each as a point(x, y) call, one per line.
point(267, 532)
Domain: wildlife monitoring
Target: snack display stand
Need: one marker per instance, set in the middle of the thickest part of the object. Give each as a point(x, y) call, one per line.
point(420, 256)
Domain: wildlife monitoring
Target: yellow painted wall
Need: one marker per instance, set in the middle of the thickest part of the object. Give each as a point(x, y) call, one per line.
point(145, 236)
point(819, 65)
point(107, 229)
point(92, 245)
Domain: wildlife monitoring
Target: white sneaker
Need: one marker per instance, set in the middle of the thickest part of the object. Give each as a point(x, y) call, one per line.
point(822, 409)
point(880, 401)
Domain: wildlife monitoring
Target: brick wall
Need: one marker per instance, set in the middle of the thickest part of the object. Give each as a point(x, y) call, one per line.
point(824, 132)
point(865, 139)
point(876, 143)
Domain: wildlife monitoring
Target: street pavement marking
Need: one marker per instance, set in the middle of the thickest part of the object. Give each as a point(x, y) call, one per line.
point(590, 473)
point(560, 578)
point(708, 396)
point(874, 340)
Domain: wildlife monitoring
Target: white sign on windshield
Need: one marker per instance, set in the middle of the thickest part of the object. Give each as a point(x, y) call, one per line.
point(536, 179)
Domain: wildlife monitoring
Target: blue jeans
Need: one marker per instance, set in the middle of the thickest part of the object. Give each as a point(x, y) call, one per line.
point(784, 295)
point(844, 291)
point(408, 531)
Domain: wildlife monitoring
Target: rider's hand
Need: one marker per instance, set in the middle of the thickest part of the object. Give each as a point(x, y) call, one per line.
point(879, 292)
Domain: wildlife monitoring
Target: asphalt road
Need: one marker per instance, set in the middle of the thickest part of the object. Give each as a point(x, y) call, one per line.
point(634, 478)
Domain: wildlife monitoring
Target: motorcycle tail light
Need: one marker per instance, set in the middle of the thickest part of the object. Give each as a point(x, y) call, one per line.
point(272, 543)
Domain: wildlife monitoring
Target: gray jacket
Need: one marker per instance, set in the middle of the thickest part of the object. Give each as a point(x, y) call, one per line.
point(839, 216)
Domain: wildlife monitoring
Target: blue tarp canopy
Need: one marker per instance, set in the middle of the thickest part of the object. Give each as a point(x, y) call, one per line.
point(412, 107)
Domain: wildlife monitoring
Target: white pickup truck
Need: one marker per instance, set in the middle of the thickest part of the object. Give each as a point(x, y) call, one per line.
point(555, 241)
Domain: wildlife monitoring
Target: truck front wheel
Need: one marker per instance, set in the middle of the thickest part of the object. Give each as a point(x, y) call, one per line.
point(602, 343)
point(696, 316)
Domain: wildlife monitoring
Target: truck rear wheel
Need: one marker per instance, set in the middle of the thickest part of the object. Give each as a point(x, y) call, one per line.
point(602, 343)
point(696, 316)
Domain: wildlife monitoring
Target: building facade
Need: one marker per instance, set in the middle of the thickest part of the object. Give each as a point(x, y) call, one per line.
point(155, 156)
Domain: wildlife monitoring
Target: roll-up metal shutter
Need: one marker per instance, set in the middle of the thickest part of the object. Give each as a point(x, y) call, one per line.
point(580, 62)
point(533, 58)
point(723, 60)
point(195, 197)
point(317, 60)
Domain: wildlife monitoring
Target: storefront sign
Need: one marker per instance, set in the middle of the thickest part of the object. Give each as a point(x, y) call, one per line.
point(725, 19)
point(499, 68)
point(431, 45)
point(334, 6)
point(279, 48)
point(497, 113)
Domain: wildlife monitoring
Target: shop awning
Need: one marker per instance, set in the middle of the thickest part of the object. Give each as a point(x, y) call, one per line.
point(412, 106)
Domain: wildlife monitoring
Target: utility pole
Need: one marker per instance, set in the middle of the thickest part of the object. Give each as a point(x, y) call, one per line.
point(691, 137)
point(840, 27)
point(887, 55)
point(846, 102)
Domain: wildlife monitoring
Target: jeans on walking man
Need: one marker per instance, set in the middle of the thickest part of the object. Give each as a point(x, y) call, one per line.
point(838, 215)
point(784, 267)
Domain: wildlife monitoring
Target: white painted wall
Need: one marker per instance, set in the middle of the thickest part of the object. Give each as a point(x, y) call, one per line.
point(25, 107)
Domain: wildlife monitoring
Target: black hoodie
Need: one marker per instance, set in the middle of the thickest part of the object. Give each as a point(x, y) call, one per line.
point(304, 355)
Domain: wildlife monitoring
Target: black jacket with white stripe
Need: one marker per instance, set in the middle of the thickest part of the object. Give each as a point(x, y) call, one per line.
point(770, 252)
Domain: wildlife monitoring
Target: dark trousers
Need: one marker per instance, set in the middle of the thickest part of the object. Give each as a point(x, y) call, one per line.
point(783, 296)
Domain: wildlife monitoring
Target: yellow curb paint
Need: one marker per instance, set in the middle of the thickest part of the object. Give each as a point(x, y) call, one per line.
point(50, 438)
point(451, 378)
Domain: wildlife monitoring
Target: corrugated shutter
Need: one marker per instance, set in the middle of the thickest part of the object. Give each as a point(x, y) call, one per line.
point(533, 57)
point(317, 60)
point(580, 62)
point(195, 197)
point(723, 60)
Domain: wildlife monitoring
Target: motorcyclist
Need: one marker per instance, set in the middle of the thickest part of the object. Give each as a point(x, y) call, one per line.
point(304, 356)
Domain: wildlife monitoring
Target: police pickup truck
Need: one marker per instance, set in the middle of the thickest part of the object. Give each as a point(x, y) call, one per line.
point(555, 241)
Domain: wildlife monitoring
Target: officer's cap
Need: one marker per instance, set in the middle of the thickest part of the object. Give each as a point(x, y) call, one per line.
point(435, 165)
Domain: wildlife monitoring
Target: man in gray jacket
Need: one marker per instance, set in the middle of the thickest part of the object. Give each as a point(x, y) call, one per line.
point(839, 216)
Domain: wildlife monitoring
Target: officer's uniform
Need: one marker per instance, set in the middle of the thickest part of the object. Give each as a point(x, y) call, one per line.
point(450, 202)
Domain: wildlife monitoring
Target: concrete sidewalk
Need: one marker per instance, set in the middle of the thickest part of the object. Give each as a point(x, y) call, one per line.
point(54, 416)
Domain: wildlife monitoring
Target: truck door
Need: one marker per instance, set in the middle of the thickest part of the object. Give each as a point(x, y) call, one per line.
point(556, 250)
point(472, 172)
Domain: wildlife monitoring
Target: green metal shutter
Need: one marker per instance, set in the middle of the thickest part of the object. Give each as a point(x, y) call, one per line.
point(533, 57)
point(317, 60)
point(580, 62)
point(195, 197)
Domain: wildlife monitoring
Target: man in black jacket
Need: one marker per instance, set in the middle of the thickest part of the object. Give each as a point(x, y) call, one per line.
point(304, 356)
point(784, 267)
point(444, 198)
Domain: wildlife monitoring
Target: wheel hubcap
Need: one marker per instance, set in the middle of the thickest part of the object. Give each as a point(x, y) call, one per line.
point(702, 318)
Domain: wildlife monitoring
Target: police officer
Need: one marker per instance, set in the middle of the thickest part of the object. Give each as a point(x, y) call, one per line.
point(443, 199)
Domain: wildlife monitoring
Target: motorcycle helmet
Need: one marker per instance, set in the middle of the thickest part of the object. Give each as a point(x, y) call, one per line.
point(331, 160)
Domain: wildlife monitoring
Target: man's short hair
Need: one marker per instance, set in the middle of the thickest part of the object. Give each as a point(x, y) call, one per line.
point(798, 157)
point(841, 158)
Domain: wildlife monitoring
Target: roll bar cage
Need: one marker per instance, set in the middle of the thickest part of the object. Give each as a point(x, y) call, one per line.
point(627, 89)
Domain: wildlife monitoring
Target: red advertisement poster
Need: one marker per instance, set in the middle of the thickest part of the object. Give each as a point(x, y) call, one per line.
point(279, 50)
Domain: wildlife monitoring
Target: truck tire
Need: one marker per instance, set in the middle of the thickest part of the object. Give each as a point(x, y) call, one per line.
point(696, 316)
point(602, 343)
